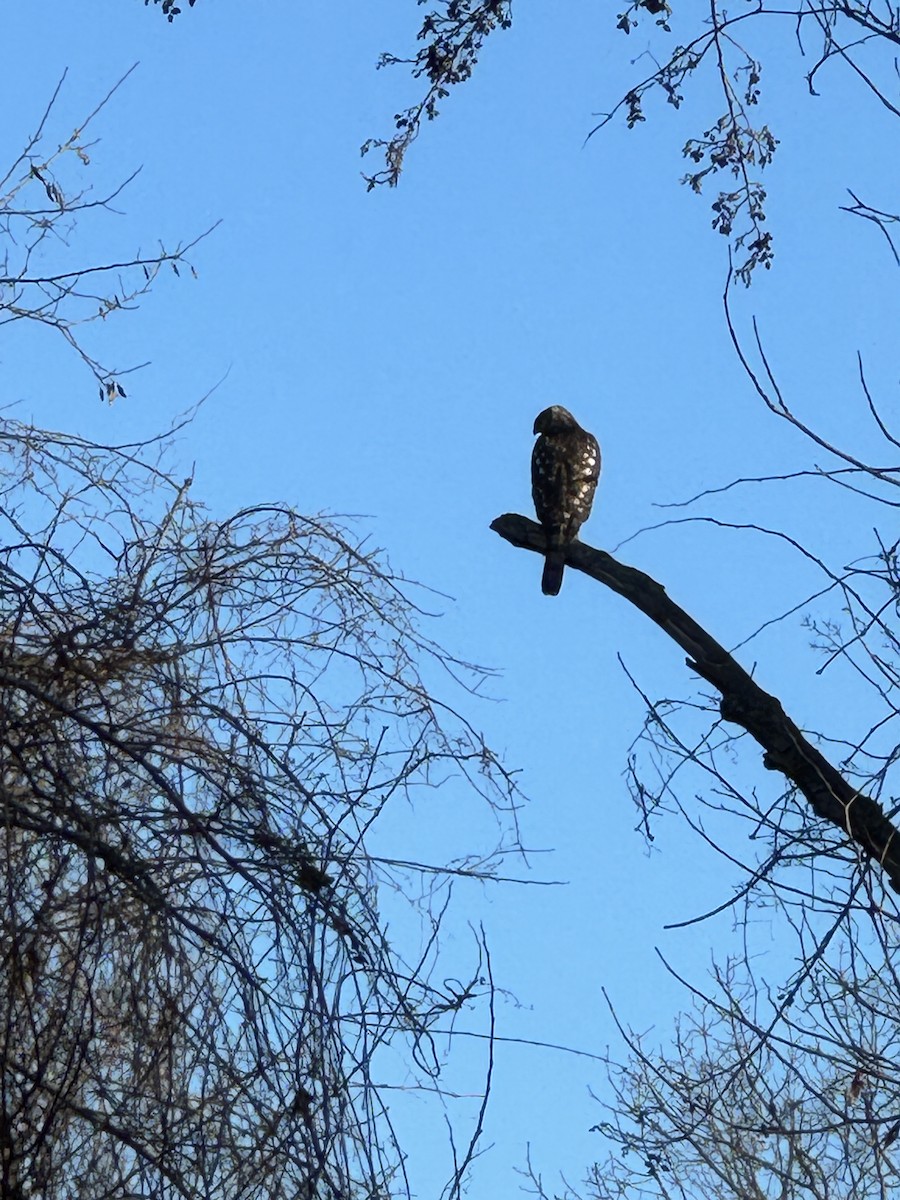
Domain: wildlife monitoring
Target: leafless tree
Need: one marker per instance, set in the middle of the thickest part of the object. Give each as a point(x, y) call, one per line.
point(201, 722)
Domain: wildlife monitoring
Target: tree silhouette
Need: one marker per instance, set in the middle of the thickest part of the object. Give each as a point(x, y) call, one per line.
point(202, 720)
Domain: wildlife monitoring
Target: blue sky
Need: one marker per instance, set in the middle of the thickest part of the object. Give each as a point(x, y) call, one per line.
point(385, 355)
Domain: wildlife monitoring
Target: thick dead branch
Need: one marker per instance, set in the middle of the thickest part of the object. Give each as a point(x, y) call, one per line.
point(831, 796)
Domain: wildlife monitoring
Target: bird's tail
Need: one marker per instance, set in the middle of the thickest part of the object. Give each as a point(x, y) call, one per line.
point(554, 564)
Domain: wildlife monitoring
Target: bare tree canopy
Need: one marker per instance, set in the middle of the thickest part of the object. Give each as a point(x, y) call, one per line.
point(202, 719)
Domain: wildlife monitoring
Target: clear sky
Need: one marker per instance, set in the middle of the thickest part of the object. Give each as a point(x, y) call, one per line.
point(385, 355)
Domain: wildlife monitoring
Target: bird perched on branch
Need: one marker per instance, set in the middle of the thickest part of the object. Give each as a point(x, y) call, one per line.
point(565, 467)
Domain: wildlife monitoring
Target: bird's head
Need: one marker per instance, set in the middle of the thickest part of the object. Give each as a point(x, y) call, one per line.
point(555, 419)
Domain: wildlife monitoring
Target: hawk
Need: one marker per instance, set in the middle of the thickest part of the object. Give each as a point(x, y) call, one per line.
point(565, 467)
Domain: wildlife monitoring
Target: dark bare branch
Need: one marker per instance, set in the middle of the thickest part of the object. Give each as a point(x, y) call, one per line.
point(743, 702)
